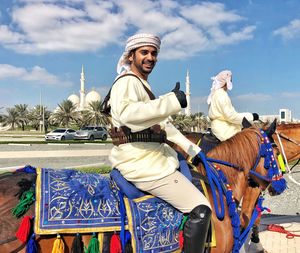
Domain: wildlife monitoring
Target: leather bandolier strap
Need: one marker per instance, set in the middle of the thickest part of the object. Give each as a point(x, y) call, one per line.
point(124, 135)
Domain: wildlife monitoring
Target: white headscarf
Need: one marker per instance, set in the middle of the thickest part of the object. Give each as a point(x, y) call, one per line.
point(133, 42)
point(219, 81)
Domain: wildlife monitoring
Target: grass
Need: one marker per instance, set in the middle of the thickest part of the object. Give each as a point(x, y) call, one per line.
point(104, 169)
point(22, 133)
point(57, 142)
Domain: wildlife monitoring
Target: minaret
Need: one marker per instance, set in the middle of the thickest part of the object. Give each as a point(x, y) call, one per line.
point(188, 94)
point(82, 91)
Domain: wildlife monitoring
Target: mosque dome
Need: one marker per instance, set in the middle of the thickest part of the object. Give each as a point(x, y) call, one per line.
point(74, 99)
point(92, 96)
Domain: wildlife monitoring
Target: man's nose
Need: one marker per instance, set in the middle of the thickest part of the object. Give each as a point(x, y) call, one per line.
point(150, 57)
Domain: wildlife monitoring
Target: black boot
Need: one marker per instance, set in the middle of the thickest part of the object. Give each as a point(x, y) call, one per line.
point(255, 234)
point(195, 229)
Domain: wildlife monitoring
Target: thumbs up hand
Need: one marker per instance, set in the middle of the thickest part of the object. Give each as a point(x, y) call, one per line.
point(180, 95)
point(177, 87)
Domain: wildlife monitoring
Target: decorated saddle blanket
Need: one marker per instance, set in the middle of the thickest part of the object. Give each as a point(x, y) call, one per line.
point(70, 201)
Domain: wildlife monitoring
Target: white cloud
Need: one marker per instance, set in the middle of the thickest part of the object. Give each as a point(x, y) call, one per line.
point(292, 30)
point(209, 14)
point(7, 36)
point(80, 26)
point(36, 75)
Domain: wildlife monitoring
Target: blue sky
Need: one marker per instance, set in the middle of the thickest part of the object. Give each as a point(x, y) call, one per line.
point(43, 45)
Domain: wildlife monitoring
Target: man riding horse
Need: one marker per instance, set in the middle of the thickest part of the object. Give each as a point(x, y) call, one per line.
point(140, 131)
point(225, 120)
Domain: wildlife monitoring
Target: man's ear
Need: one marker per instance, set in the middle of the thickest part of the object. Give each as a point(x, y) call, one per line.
point(130, 56)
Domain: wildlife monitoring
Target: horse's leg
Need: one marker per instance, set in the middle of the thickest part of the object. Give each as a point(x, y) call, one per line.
point(248, 205)
point(223, 230)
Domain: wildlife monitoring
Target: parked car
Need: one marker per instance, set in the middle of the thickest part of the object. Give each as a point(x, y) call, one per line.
point(91, 133)
point(60, 134)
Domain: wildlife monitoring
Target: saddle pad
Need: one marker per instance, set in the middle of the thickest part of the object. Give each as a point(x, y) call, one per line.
point(153, 224)
point(71, 201)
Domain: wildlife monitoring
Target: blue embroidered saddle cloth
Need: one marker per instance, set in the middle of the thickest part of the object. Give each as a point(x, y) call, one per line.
point(70, 201)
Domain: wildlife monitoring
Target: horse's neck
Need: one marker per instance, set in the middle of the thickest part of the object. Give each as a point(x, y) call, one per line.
point(237, 180)
point(291, 149)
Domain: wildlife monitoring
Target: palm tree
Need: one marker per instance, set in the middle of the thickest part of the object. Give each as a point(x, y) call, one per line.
point(11, 118)
point(182, 122)
point(94, 116)
point(35, 116)
point(22, 110)
point(65, 114)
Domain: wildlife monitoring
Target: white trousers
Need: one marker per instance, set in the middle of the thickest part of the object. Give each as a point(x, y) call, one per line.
point(175, 189)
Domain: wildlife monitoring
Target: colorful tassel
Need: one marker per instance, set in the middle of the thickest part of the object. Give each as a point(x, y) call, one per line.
point(181, 239)
point(93, 246)
point(24, 204)
point(115, 244)
point(184, 219)
point(101, 242)
point(77, 245)
point(31, 246)
point(24, 229)
point(281, 163)
point(58, 245)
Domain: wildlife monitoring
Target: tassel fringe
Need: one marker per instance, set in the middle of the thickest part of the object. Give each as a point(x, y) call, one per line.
point(31, 246)
point(93, 246)
point(58, 245)
point(24, 204)
point(24, 230)
point(77, 245)
point(115, 244)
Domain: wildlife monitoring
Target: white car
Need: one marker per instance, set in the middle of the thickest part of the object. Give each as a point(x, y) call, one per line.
point(60, 134)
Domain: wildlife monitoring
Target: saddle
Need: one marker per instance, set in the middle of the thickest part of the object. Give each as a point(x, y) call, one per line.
point(208, 142)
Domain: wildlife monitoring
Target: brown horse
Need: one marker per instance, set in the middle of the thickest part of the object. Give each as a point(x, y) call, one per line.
point(287, 138)
point(242, 150)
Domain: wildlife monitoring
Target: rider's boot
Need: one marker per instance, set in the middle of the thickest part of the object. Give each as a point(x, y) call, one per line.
point(196, 229)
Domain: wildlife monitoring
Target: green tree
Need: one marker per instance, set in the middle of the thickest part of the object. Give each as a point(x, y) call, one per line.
point(93, 115)
point(182, 122)
point(65, 114)
point(22, 111)
point(194, 123)
point(35, 116)
point(11, 118)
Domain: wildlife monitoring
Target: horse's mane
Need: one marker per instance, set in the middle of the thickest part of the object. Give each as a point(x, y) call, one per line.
point(241, 150)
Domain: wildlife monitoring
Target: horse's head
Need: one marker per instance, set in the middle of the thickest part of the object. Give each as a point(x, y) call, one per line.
point(266, 170)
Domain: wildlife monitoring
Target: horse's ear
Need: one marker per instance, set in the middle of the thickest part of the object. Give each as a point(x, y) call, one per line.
point(246, 123)
point(271, 129)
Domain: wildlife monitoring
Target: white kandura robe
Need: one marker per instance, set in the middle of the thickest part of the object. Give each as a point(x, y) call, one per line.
point(225, 120)
point(132, 107)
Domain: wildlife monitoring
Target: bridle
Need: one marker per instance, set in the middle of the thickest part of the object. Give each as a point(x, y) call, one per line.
point(274, 175)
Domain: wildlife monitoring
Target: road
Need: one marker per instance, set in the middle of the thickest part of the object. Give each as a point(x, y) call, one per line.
point(54, 155)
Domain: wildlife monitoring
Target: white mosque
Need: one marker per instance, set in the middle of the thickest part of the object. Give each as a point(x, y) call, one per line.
point(188, 109)
point(83, 100)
